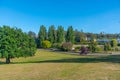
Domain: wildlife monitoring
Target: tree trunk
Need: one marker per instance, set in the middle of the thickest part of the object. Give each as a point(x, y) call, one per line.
point(8, 60)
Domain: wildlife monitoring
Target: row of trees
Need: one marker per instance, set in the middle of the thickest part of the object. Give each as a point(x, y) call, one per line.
point(59, 35)
point(55, 36)
point(15, 43)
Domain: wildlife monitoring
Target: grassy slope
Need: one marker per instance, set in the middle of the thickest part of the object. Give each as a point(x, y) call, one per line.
point(52, 66)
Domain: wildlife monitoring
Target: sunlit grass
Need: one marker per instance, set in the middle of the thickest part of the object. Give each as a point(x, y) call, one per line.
point(46, 65)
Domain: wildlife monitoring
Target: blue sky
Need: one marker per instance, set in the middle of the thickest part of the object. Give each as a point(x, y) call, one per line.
point(89, 15)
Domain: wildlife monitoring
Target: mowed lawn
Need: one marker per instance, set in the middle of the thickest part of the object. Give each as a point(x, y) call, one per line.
point(47, 65)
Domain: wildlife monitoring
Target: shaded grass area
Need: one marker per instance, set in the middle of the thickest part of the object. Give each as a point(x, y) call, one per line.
point(47, 65)
point(96, 59)
point(43, 56)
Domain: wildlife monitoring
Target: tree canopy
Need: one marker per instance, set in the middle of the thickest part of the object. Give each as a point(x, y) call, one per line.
point(42, 35)
point(15, 43)
point(70, 34)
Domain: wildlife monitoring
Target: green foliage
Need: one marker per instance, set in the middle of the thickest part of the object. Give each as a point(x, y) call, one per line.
point(99, 49)
point(32, 34)
point(92, 46)
point(107, 47)
point(67, 46)
point(114, 43)
point(46, 44)
point(117, 49)
point(70, 35)
point(15, 43)
point(60, 34)
point(56, 45)
point(52, 34)
point(42, 35)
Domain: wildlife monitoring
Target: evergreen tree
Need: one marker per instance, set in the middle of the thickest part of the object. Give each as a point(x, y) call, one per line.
point(52, 34)
point(60, 34)
point(42, 35)
point(32, 34)
point(70, 34)
point(15, 43)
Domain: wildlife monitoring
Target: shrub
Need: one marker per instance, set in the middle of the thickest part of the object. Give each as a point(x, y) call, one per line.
point(46, 44)
point(107, 47)
point(67, 46)
point(114, 43)
point(77, 49)
point(92, 46)
point(84, 50)
point(56, 45)
point(99, 49)
point(117, 49)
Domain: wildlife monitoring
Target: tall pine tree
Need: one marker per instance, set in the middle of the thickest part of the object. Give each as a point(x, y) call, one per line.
point(60, 34)
point(42, 35)
point(52, 34)
point(70, 34)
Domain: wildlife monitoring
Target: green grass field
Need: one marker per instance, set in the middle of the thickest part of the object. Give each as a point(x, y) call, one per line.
point(47, 65)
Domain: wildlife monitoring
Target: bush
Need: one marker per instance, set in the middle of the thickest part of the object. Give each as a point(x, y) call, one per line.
point(117, 49)
point(67, 46)
point(99, 49)
point(46, 44)
point(114, 43)
point(77, 49)
point(84, 50)
point(56, 45)
point(92, 46)
point(107, 47)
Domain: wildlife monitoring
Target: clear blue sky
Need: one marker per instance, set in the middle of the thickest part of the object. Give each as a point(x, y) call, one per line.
point(90, 15)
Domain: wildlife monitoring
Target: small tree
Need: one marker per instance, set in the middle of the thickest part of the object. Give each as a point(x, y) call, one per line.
point(46, 44)
point(107, 46)
point(15, 43)
point(114, 43)
point(92, 46)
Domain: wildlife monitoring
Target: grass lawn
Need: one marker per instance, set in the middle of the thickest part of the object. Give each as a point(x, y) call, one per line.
point(47, 65)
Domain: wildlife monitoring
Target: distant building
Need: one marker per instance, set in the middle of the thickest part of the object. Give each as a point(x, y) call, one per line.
point(103, 40)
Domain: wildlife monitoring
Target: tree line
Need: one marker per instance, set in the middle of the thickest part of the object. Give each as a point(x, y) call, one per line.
point(59, 35)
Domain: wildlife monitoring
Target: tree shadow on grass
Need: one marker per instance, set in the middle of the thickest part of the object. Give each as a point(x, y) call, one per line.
point(96, 59)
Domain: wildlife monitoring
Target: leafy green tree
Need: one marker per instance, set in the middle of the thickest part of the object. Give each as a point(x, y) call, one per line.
point(15, 43)
point(114, 43)
point(70, 34)
point(42, 35)
point(60, 34)
point(52, 34)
